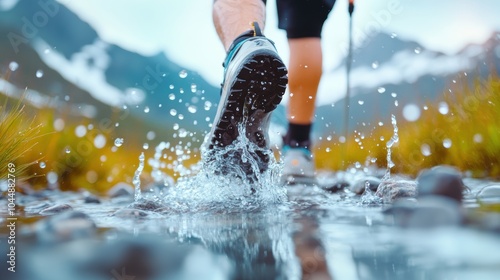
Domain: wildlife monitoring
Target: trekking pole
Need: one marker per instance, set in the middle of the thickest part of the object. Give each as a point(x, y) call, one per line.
point(348, 83)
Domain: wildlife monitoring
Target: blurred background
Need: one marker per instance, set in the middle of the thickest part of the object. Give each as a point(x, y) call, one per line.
point(103, 81)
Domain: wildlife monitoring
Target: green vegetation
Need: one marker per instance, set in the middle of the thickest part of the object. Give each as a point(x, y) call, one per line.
point(43, 143)
point(18, 135)
point(466, 135)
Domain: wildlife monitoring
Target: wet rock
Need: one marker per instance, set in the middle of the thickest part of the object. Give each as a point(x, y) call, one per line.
point(128, 213)
point(147, 205)
point(359, 186)
point(393, 189)
point(332, 182)
point(65, 226)
point(428, 212)
point(441, 180)
point(90, 198)
point(55, 209)
point(36, 206)
point(120, 190)
point(336, 186)
point(489, 194)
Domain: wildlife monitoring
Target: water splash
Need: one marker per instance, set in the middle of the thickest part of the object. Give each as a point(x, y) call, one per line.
point(158, 175)
point(394, 139)
point(119, 142)
point(369, 197)
point(221, 180)
point(137, 178)
point(39, 73)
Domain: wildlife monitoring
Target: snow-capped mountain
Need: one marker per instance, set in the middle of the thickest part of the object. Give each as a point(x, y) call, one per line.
point(51, 51)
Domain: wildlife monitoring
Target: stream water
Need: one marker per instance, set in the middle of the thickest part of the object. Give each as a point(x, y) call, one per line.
point(213, 226)
point(298, 232)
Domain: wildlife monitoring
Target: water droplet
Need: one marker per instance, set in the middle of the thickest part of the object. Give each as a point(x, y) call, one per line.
point(417, 50)
point(193, 88)
point(173, 112)
point(52, 177)
point(100, 141)
point(118, 142)
point(145, 146)
point(183, 74)
point(208, 105)
point(39, 73)
point(381, 89)
point(342, 139)
point(59, 124)
point(443, 108)
point(192, 109)
point(146, 109)
point(394, 94)
point(67, 150)
point(380, 123)
point(396, 103)
point(171, 87)
point(361, 102)
point(42, 164)
point(80, 131)
point(394, 35)
point(13, 66)
point(447, 143)
point(151, 135)
point(478, 138)
point(411, 112)
point(375, 64)
point(425, 149)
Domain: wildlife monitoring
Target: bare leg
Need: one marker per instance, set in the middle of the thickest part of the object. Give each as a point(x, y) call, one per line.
point(304, 73)
point(233, 17)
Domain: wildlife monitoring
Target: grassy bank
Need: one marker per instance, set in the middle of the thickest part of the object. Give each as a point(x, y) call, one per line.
point(461, 129)
point(73, 153)
point(45, 143)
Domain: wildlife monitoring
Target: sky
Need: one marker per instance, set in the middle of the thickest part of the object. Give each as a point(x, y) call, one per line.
point(185, 32)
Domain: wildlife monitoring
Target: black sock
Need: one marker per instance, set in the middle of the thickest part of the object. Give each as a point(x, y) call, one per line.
point(298, 135)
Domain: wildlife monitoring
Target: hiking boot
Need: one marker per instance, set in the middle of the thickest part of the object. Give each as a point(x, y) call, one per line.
point(298, 166)
point(255, 80)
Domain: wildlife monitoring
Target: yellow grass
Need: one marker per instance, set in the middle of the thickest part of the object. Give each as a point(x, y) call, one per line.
point(18, 135)
point(471, 126)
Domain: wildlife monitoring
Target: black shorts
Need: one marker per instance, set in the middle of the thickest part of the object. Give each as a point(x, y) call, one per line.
point(303, 18)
